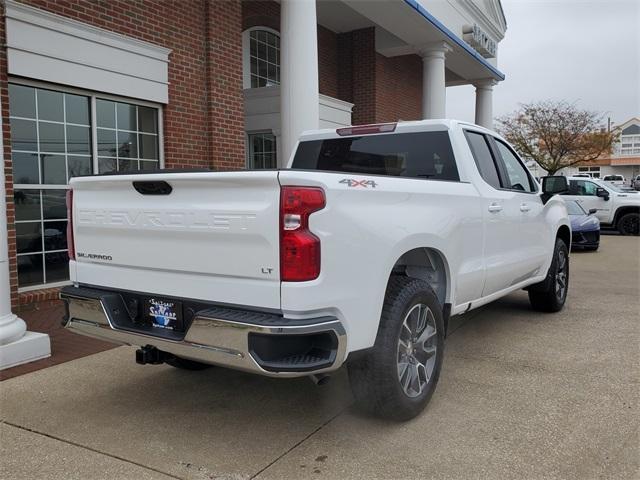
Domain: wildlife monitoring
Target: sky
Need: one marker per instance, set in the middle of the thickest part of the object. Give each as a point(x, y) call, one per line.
point(586, 52)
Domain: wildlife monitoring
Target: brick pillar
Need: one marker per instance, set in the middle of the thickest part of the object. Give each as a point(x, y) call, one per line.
point(363, 73)
point(225, 103)
point(345, 67)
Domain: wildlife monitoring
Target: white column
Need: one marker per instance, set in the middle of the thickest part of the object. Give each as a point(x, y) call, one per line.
point(298, 71)
point(434, 90)
point(17, 346)
point(279, 158)
point(484, 103)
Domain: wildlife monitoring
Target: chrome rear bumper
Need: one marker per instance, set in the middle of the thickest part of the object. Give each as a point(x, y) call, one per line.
point(217, 336)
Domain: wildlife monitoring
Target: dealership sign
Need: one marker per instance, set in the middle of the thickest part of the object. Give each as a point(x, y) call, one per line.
point(478, 39)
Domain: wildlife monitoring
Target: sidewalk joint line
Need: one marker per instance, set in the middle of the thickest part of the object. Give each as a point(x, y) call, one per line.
point(298, 444)
point(91, 449)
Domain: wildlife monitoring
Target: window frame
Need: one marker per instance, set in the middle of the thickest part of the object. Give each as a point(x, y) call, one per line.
point(502, 168)
point(585, 180)
point(93, 96)
point(248, 148)
point(246, 54)
point(93, 127)
point(496, 164)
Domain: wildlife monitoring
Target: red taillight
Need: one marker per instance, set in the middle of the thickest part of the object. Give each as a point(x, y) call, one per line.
point(367, 129)
point(299, 248)
point(70, 244)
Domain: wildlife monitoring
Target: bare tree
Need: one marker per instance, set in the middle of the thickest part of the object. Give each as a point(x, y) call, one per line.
point(556, 135)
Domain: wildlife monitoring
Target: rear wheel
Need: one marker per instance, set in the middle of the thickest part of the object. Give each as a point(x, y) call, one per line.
point(629, 224)
point(551, 294)
point(186, 364)
point(397, 377)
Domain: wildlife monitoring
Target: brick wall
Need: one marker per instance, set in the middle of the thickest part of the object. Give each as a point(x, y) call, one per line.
point(266, 13)
point(363, 75)
point(224, 84)
point(260, 13)
point(398, 88)
point(204, 119)
point(327, 62)
point(382, 89)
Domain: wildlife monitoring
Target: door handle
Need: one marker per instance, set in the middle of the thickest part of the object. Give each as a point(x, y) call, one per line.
point(524, 207)
point(495, 207)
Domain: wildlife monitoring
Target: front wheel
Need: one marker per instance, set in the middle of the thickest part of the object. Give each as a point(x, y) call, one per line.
point(629, 224)
point(397, 377)
point(551, 294)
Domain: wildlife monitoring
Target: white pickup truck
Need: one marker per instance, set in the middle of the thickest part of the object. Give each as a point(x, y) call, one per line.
point(357, 253)
point(614, 207)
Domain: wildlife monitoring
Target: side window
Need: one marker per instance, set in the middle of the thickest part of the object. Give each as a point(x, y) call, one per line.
point(483, 158)
point(516, 173)
point(582, 188)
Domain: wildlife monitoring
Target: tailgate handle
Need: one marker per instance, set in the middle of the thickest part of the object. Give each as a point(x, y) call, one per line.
point(157, 187)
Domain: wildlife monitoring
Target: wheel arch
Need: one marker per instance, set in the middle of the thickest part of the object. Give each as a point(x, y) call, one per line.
point(564, 234)
point(620, 211)
point(431, 265)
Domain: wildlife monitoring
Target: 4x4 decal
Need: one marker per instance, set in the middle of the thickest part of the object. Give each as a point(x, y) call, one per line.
point(359, 183)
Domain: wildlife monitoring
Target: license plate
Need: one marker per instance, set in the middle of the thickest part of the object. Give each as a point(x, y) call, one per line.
point(164, 313)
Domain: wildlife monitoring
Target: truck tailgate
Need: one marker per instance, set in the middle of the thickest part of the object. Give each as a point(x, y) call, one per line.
point(215, 236)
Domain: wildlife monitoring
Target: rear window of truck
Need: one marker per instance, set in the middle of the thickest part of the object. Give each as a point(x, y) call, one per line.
point(425, 155)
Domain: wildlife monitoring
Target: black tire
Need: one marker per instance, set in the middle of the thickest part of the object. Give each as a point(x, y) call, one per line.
point(186, 364)
point(629, 224)
point(374, 374)
point(551, 294)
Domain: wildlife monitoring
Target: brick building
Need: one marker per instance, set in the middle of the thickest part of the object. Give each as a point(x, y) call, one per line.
point(92, 86)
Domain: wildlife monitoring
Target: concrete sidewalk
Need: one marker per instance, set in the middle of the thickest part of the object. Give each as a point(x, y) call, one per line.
point(521, 395)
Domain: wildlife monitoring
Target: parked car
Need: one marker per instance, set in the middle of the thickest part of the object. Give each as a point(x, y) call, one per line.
point(615, 208)
point(636, 183)
point(357, 253)
point(617, 180)
point(585, 175)
point(585, 227)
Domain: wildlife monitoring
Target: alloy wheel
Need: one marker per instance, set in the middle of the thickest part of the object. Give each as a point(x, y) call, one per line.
point(417, 346)
point(561, 275)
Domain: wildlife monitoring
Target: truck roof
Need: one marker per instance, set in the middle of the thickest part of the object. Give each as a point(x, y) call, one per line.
point(400, 127)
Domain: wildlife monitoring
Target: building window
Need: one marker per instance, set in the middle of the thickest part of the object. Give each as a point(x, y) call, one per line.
point(262, 151)
point(630, 145)
point(52, 140)
point(594, 172)
point(261, 58)
point(127, 137)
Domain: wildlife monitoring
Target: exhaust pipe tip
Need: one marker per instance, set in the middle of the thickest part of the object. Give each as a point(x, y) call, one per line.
point(320, 379)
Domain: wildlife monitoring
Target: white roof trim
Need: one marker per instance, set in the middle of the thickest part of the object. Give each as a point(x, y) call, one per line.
point(52, 48)
point(58, 23)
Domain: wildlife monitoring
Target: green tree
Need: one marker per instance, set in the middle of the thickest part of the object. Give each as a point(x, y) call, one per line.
point(556, 135)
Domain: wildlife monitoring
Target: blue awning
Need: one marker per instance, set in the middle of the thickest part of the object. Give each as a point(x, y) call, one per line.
point(497, 74)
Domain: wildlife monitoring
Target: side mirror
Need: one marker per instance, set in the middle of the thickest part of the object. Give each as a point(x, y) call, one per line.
point(552, 186)
point(602, 193)
point(593, 211)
